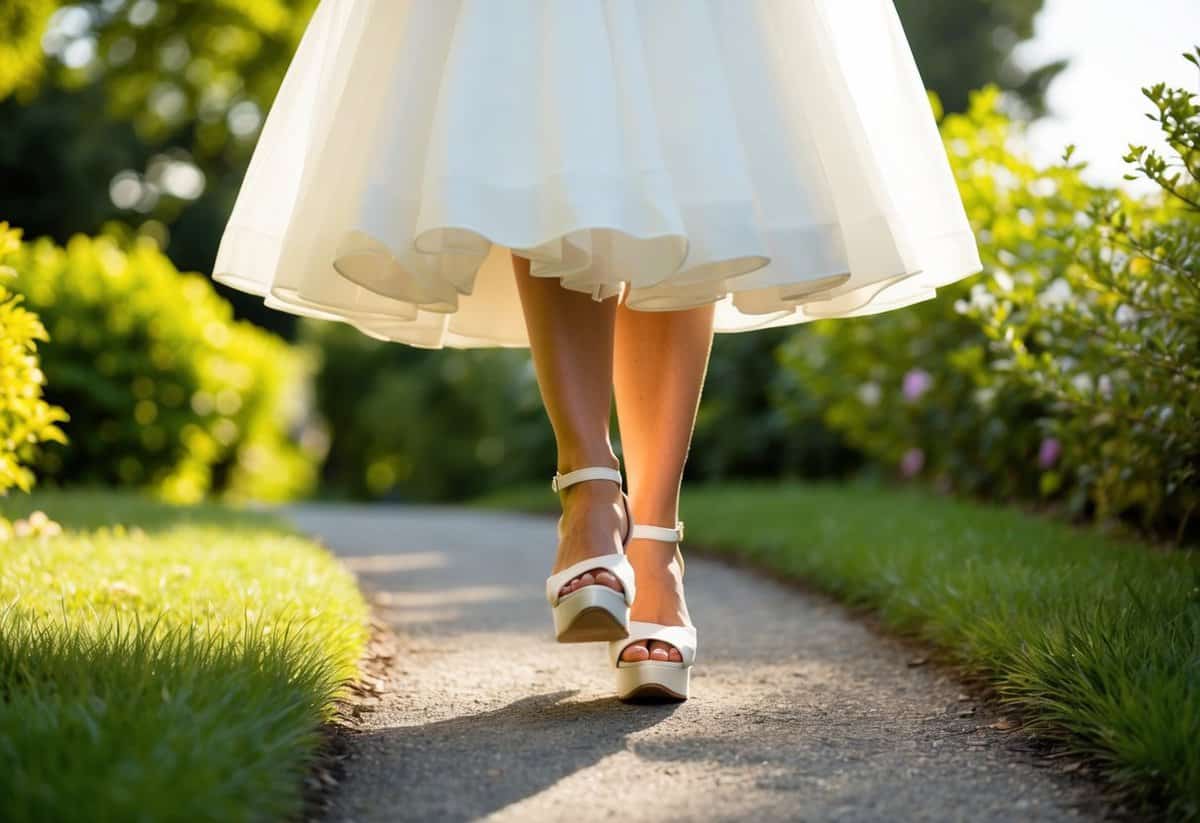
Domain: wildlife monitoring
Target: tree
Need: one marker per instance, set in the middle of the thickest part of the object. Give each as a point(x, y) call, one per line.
point(962, 45)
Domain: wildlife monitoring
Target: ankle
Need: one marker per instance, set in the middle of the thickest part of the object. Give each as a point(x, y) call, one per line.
point(590, 506)
point(590, 494)
point(569, 461)
point(661, 513)
point(653, 556)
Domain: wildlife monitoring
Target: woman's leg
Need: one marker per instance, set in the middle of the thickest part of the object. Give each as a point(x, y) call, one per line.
point(571, 340)
point(661, 361)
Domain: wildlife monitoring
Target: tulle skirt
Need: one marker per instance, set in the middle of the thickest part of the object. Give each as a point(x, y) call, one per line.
point(778, 158)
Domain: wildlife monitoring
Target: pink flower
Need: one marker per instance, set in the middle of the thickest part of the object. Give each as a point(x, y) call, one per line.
point(1049, 452)
point(912, 462)
point(916, 383)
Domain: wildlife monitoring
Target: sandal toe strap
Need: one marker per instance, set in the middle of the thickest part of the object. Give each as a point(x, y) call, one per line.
point(682, 638)
point(615, 564)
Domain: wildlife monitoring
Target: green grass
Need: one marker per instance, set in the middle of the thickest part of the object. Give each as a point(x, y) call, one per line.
point(165, 664)
point(1097, 640)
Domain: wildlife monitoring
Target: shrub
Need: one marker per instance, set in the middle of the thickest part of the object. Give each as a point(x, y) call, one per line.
point(1112, 342)
point(1067, 371)
point(166, 390)
point(915, 389)
point(26, 419)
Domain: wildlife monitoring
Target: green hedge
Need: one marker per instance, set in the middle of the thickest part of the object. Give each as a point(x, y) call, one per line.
point(26, 419)
point(165, 389)
point(1068, 371)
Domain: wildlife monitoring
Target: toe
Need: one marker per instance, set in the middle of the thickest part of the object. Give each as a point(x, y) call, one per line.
point(659, 651)
point(587, 579)
point(674, 655)
point(605, 578)
point(635, 653)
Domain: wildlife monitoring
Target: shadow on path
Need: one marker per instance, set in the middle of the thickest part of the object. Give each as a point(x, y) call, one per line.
point(469, 766)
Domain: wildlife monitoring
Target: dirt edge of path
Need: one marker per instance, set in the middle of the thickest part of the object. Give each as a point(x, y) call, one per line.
point(376, 678)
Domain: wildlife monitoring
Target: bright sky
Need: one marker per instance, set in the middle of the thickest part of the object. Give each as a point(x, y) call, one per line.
point(1115, 47)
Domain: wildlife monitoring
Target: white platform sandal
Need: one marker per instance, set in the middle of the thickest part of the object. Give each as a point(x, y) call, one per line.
point(594, 612)
point(656, 679)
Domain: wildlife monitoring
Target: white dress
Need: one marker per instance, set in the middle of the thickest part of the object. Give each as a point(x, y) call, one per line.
point(776, 157)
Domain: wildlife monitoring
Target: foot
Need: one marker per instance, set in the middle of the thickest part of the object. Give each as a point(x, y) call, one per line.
point(659, 598)
point(593, 524)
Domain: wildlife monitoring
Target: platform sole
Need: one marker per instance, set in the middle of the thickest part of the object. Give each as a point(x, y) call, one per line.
point(653, 681)
point(592, 614)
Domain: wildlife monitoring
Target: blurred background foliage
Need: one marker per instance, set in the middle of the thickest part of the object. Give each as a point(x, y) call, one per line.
point(405, 422)
point(1065, 373)
point(165, 389)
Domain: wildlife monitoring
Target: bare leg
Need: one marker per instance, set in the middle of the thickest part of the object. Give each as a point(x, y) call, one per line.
point(661, 361)
point(571, 340)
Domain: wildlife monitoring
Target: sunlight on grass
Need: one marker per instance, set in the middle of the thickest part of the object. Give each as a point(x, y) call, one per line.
point(1098, 640)
point(162, 663)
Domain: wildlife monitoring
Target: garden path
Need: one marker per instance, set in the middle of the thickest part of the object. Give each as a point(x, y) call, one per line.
point(798, 710)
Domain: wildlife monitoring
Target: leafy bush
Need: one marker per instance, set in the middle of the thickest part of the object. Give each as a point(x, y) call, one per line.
point(166, 390)
point(1113, 341)
point(915, 389)
point(26, 419)
point(1068, 371)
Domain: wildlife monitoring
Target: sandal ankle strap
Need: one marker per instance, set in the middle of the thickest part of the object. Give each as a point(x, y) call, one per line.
point(674, 535)
point(666, 535)
point(562, 481)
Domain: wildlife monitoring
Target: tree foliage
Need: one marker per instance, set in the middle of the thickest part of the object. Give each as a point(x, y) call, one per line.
point(21, 25)
point(963, 45)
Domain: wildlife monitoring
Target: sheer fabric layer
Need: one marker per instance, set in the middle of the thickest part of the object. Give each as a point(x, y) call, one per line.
point(776, 157)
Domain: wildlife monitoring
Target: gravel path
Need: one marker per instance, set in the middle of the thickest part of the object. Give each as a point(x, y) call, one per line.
point(798, 711)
